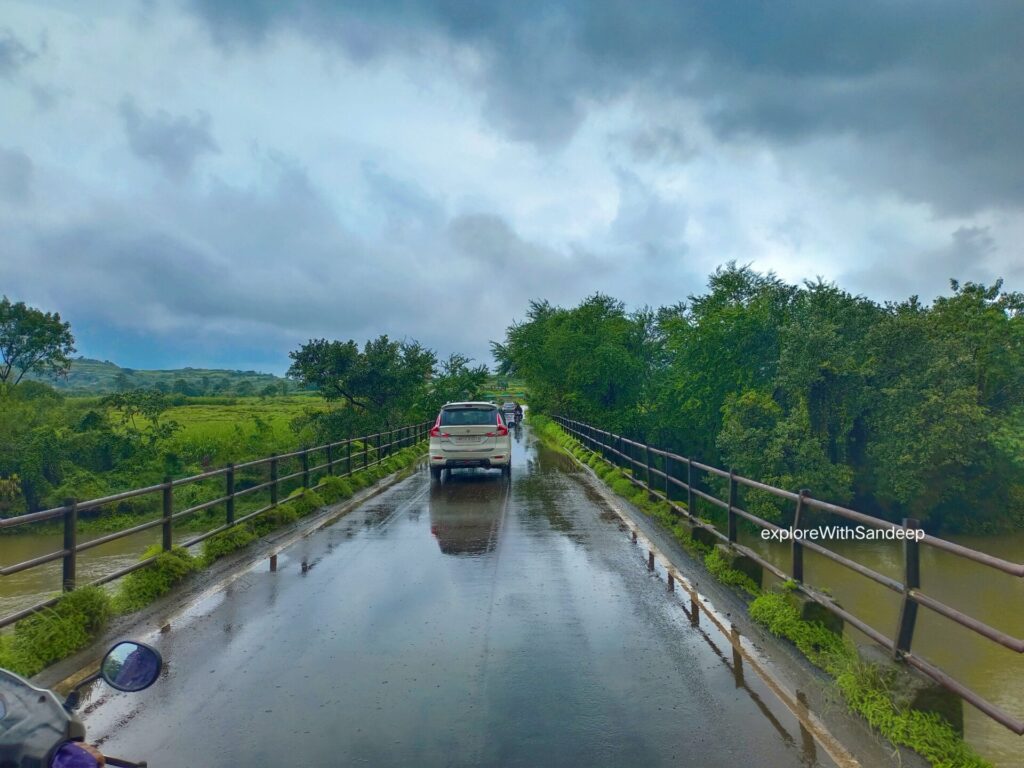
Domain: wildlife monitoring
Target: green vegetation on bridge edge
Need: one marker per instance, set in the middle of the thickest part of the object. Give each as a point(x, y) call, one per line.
point(864, 688)
point(80, 616)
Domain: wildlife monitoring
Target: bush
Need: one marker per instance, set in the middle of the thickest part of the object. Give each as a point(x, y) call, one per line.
point(140, 588)
point(309, 502)
point(227, 542)
point(334, 489)
point(55, 633)
point(277, 517)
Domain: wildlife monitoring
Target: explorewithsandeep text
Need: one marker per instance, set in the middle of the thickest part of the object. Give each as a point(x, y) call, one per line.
point(843, 533)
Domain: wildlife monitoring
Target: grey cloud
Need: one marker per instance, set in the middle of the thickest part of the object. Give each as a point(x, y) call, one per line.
point(14, 54)
point(271, 265)
point(15, 176)
point(931, 89)
point(660, 144)
point(172, 143)
point(966, 257)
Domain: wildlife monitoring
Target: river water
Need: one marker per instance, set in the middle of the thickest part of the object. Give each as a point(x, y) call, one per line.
point(995, 598)
point(21, 590)
point(994, 672)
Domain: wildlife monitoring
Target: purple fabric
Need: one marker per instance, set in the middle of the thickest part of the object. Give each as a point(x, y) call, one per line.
point(71, 755)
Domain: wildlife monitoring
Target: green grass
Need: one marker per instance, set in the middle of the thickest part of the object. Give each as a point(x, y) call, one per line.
point(55, 633)
point(139, 588)
point(864, 688)
point(218, 421)
point(226, 542)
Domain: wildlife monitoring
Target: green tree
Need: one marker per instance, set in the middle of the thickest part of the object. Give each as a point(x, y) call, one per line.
point(32, 341)
point(382, 383)
point(142, 414)
point(593, 361)
point(454, 379)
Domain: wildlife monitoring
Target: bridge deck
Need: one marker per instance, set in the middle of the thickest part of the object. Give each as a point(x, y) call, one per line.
point(471, 623)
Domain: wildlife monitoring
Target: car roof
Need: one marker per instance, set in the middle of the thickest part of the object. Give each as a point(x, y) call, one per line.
point(471, 404)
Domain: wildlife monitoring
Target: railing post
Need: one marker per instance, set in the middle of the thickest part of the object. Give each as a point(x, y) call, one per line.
point(376, 456)
point(168, 510)
point(273, 480)
point(647, 457)
point(667, 466)
point(797, 545)
point(366, 452)
point(730, 513)
point(229, 492)
point(330, 459)
point(348, 455)
point(911, 581)
point(689, 487)
point(70, 545)
point(305, 467)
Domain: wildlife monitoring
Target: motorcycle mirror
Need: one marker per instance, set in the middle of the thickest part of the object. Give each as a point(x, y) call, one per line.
point(71, 754)
point(130, 666)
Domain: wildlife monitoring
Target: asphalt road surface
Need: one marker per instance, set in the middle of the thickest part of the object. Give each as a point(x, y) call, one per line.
point(474, 622)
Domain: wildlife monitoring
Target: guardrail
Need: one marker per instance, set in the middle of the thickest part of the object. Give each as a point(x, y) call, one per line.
point(643, 459)
point(354, 452)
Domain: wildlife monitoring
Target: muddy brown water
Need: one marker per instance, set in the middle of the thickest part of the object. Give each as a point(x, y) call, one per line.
point(481, 622)
point(995, 598)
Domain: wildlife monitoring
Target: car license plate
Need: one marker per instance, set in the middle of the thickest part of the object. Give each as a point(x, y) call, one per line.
point(467, 439)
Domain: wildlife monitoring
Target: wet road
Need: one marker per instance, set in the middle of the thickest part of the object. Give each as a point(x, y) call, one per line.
point(476, 622)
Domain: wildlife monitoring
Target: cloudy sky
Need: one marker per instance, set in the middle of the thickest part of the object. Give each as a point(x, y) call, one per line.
point(211, 182)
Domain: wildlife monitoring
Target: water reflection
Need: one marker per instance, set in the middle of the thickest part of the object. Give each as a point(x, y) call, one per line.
point(466, 511)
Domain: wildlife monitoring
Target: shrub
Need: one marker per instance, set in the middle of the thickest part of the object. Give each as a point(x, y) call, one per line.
point(275, 518)
point(334, 489)
point(227, 542)
point(55, 633)
point(300, 503)
point(142, 587)
point(720, 570)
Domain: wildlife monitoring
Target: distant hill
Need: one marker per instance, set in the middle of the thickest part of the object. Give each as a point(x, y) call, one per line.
point(102, 376)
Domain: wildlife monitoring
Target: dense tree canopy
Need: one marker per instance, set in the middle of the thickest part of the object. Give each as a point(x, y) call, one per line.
point(904, 409)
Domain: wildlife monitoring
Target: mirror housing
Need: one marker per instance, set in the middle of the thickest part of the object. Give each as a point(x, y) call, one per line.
point(130, 666)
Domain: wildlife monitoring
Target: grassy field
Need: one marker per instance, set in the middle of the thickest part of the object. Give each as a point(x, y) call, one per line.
point(248, 428)
point(218, 421)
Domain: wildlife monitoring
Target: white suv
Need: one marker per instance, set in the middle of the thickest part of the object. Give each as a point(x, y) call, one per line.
point(470, 435)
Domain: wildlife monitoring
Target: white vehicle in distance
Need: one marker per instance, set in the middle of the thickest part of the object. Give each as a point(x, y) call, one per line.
point(470, 435)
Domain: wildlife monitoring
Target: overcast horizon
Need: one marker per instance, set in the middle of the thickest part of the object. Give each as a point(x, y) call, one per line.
point(211, 183)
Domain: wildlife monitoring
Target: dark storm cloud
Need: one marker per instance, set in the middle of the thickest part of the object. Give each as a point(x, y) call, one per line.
point(14, 54)
point(173, 143)
point(15, 176)
point(271, 265)
point(930, 91)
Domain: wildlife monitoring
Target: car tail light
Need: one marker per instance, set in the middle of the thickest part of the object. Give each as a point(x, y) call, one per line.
point(436, 430)
point(502, 429)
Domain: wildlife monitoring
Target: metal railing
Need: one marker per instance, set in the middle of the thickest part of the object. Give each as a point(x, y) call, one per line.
point(664, 482)
point(355, 453)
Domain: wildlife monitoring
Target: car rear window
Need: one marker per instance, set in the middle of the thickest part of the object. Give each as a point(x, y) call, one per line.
point(468, 417)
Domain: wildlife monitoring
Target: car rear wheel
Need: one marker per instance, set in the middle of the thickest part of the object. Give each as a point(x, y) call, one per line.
point(435, 473)
point(507, 470)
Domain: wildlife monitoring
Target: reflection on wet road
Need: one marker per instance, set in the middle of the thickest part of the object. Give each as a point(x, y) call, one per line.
point(477, 622)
